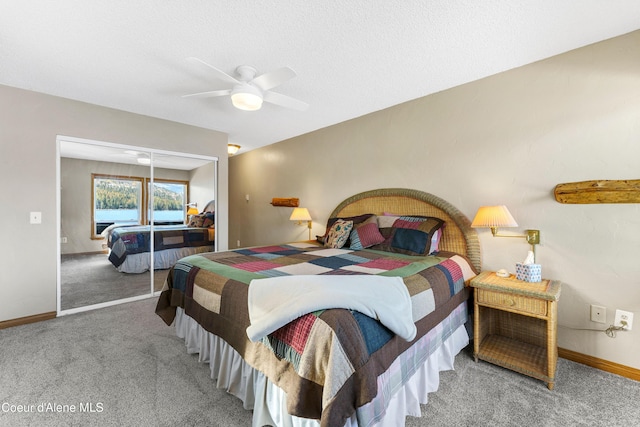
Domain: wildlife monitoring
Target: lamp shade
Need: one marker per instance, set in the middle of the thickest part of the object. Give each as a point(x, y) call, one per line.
point(300, 214)
point(493, 217)
point(232, 149)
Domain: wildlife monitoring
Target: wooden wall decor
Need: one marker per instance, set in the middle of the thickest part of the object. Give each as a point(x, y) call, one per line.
point(599, 191)
point(291, 202)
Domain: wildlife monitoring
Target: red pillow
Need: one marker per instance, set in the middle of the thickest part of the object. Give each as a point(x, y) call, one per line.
point(365, 236)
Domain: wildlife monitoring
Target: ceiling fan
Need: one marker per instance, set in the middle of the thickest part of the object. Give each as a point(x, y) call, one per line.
point(249, 91)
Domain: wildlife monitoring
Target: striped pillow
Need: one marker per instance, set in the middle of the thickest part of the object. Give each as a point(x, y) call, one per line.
point(366, 235)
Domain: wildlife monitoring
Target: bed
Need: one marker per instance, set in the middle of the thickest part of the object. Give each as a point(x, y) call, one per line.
point(130, 245)
point(258, 316)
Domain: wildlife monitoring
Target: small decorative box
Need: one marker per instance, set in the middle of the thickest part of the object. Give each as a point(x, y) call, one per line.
point(529, 272)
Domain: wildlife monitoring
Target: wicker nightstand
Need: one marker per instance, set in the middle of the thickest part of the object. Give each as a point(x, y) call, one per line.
point(515, 324)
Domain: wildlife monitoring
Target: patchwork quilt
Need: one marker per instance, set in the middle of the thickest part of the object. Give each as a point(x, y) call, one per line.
point(326, 361)
point(136, 239)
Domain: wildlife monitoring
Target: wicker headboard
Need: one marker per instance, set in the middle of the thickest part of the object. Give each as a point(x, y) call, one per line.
point(458, 236)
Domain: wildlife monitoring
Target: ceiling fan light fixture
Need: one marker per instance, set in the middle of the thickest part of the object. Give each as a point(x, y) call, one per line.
point(249, 91)
point(246, 97)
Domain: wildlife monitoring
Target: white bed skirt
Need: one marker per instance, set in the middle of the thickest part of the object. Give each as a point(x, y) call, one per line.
point(268, 401)
point(139, 263)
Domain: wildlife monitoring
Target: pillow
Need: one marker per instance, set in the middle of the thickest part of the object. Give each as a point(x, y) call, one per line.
point(435, 240)
point(410, 235)
point(196, 220)
point(338, 234)
point(202, 220)
point(355, 219)
point(209, 219)
point(365, 235)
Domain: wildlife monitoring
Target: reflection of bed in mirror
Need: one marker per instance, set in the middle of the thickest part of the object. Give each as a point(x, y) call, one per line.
point(130, 245)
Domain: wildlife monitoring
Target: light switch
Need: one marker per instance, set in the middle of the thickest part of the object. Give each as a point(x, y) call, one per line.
point(35, 217)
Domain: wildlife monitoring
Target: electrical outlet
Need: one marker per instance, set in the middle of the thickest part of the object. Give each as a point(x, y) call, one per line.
point(64, 240)
point(598, 314)
point(625, 316)
point(238, 243)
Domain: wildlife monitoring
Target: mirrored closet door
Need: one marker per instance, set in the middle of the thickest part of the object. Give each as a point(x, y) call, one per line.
point(126, 215)
point(182, 209)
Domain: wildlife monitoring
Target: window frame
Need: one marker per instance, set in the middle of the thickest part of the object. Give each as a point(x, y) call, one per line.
point(169, 181)
point(141, 211)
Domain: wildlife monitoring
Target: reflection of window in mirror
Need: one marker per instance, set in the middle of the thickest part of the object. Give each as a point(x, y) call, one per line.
point(115, 199)
point(169, 201)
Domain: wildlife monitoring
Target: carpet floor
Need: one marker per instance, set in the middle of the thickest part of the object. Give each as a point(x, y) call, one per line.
point(89, 279)
point(122, 366)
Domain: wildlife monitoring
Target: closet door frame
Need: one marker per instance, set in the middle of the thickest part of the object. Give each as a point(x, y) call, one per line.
point(152, 152)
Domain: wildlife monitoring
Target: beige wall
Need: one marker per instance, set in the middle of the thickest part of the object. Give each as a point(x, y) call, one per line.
point(29, 124)
point(507, 139)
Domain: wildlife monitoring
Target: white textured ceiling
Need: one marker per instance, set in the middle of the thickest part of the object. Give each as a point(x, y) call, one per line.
point(352, 57)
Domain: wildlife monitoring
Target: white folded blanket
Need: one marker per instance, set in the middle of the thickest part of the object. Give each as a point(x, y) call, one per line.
point(276, 301)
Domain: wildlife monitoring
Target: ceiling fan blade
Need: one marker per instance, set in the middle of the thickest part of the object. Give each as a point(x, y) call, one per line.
point(285, 101)
point(208, 94)
point(219, 73)
point(273, 78)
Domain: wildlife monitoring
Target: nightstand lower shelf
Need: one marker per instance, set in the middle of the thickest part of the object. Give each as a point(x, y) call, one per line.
point(525, 358)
